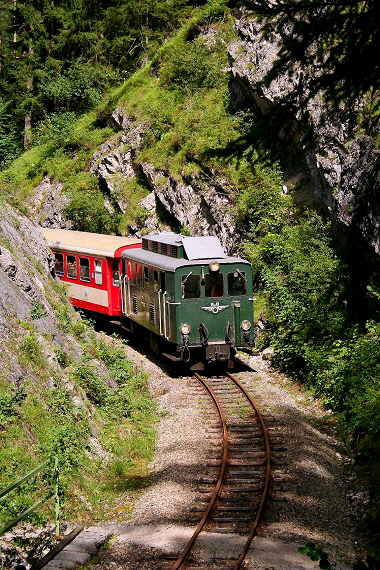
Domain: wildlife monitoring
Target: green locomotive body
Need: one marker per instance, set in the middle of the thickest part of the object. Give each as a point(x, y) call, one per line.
point(195, 301)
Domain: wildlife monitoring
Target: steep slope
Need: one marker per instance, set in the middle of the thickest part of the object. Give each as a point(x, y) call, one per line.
point(66, 394)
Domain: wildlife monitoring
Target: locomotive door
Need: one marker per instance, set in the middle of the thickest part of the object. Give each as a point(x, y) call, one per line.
point(126, 295)
point(163, 316)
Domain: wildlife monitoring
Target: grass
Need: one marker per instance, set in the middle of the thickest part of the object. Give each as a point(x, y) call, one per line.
point(42, 421)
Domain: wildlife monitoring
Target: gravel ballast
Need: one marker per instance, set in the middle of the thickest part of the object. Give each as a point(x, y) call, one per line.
point(311, 491)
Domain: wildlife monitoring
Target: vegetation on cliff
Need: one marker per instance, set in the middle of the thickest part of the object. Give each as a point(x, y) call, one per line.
point(67, 395)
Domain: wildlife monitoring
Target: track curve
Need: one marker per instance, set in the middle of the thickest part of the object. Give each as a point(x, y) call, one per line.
point(244, 470)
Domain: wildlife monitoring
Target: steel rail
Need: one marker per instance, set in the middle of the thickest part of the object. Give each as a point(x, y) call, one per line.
point(267, 474)
point(178, 563)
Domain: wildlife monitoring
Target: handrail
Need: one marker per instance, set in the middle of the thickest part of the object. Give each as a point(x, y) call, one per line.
point(165, 316)
point(24, 478)
point(39, 503)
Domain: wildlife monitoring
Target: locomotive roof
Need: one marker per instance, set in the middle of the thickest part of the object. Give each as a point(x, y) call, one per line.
point(197, 247)
point(171, 263)
point(86, 242)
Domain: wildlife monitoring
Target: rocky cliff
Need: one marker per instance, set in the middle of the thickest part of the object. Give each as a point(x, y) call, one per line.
point(340, 173)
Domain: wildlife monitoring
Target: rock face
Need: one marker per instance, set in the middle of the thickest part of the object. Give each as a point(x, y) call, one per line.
point(47, 205)
point(204, 209)
point(342, 172)
point(37, 324)
point(21, 285)
point(201, 207)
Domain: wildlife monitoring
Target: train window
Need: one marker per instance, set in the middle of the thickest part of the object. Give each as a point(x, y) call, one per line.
point(59, 268)
point(236, 283)
point(138, 273)
point(146, 277)
point(84, 269)
point(71, 267)
point(191, 286)
point(115, 274)
point(162, 282)
point(98, 272)
point(155, 280)
point(214, 285)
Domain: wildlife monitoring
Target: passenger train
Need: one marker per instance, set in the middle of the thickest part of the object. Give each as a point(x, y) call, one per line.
point(192, 301)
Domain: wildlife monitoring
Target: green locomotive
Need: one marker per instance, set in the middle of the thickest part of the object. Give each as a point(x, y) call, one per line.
point(195, 301)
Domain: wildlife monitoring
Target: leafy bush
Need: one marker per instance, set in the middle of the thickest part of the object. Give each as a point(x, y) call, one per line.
point(86, 208)
point(30, 352)
point(192, 65)
point(56, 129)
point(10, 145)
point(89, 380)
point(316, 553)
point(77, 88)
point(8, 409)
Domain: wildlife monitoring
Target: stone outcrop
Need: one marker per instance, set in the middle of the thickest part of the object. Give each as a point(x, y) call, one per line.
point(47, 205)
point(341, 172)
point(201, 206)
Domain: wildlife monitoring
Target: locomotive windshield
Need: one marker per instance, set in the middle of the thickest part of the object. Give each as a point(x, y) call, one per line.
point(214, 285)
point(191, 286)
point(236, 283)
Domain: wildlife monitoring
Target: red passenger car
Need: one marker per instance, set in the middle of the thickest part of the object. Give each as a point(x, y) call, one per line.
point(91, 265)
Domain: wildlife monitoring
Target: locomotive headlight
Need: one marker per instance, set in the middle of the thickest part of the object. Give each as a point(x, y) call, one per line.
point(214, 266)
point(245, 326)
point(185, 329)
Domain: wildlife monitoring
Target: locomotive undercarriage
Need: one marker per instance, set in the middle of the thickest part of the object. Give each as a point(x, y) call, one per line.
point(197, 357)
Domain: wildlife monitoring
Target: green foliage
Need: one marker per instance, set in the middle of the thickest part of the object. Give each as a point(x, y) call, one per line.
point(75, 89)
point(196, 65)
point(305, 284)
point(37, 311)
point(94, 386)
point(304, 299)
point(10, 407)
point(62, 57)
point(55, 130)
point(86, 208)
point(261, 207)
point(30, 352)
point(129, 397)
point(10, 146)
point(316, 553)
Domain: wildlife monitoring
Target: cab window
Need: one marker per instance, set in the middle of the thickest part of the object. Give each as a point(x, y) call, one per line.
point(146, 277)
point(137, 274)
point(115, 274)
point(59, 264)
point(71, 267)
point(84, 269)
point(214, 285)
point(191, 286)
point(236, 283)
point(156, 284)
point(98, 272)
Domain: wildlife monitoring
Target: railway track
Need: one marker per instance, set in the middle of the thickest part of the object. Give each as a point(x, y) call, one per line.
point(233, 494)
